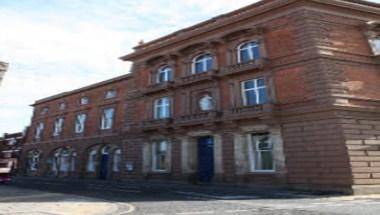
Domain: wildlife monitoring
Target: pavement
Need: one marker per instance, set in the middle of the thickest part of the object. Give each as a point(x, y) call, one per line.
point(56, 197)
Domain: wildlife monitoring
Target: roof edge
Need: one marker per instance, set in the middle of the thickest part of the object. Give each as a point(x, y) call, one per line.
point(268, 4)
point(78, 90)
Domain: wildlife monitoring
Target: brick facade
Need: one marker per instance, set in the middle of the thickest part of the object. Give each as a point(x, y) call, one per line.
point(321, 111)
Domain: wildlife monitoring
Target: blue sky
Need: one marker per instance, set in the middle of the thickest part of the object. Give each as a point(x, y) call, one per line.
point(59, 45)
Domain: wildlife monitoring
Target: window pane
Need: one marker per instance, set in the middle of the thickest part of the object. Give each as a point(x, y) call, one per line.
point(264, 160)
point(260, 82)
point(162, 76)
point(249, 84)
point(256, 52)
point(377, 44)
point(209, 64)
point(263, 152)
point(163, 146)
point(198, 67)
point(262, 96)
point(250, 97)
point(244, 56)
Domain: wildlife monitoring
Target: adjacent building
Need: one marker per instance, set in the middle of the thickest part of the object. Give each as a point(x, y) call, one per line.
point(3, 69)
point(278, 92)
point(10, 148)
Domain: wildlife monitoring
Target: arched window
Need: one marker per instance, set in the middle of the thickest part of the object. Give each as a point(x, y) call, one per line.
point(55, 162)
point(162, 108)
point(73, 161)
point(202, 63)
point(206, 102)
point(33, 160)
point(91, 160)
point(248, 51)
point(164, 74)
point(64, 161)
point(116, 160)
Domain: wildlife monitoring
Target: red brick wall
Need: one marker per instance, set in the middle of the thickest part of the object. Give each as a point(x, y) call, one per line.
point(363, 81)
point(94, 109)
point(290, 85)
point(315, 153)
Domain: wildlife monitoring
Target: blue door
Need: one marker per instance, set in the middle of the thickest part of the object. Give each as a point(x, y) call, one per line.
point(103, 167)
point(205, 158)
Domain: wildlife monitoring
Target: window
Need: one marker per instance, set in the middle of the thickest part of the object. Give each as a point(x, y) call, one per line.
point(248, 51)
point(160, 156)
point(39, 130)
point(64, 161)
point(261, 153)
point(73, 161)
point(44, 111)
point(58, 126)
point(162, 108)
point(116, 160)
point(164, 74)
point(62, 106)
point(254, 92)
point(111, 94)
point(107, 118)
point(33, 160)
point(202, 63)
point(91, 166)
point(206, 103)
point(80, 121)
point(376, 45)
point(84, 100)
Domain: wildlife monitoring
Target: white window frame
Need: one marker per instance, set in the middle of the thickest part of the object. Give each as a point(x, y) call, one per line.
point(252, 153)
point(62, 106)
point(39, 130)
point(116, 160)
point(255, 88)
point(375, 49)
point(58, 126)
point(91, 160)
point(160, 105)
point(250, 48)
point(167, 70)
point(112, 93)
point(34, 158)
point(80, 122)
point(84, 100)
point(155, 156)
point(106, 121)
point(204, 61)
point(44, 110)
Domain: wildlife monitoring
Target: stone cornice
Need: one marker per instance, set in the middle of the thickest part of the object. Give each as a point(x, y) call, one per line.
point(241, 14)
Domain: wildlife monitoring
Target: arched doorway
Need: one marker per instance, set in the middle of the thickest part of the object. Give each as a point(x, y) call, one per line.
point(103, 161)
point(62, 162)
point(33, 162)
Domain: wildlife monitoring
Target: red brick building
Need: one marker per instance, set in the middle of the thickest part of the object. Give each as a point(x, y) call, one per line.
point(279, 92)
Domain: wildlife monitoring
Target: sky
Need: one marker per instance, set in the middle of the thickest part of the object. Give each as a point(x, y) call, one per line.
point(54, 46)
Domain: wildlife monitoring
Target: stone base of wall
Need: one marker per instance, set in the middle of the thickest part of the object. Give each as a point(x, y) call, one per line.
point(366, 189)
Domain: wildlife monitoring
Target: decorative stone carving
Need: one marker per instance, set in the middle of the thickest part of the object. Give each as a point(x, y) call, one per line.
point(206, 103)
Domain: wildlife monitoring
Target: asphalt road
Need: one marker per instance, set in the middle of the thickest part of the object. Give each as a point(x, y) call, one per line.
point(53, 198)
